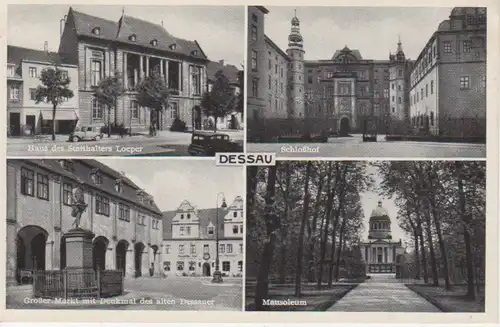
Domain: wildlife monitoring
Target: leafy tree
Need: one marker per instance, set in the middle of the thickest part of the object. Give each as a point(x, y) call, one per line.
point(220, 100)
point(107, 93)
point(154, 94)
point(54, 90)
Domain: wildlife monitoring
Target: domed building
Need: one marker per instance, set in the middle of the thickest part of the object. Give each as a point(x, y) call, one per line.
point(379, 252)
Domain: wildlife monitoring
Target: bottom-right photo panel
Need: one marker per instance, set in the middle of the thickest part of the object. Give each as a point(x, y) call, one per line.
point(365, 236)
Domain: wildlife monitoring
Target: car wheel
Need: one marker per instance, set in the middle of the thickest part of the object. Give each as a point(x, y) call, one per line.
point(98, 137)
point(75, 139)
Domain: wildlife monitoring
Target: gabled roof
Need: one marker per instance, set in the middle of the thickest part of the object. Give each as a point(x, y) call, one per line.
point(230, 71)
point(16, 54)
point(144, 31)
point(346, 51)
point(205, 217)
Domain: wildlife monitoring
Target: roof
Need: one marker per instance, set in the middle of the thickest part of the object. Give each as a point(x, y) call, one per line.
point(145, 32)
point(82, 170)
point(206, 216)
point(379, 211)
point(230, 71)
point(276, 47)
point(355, 53)
point(16, 54)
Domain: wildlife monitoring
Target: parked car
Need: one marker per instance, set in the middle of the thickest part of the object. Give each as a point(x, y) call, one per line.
point(370, 130)
point(209, 143)
point(86, 133)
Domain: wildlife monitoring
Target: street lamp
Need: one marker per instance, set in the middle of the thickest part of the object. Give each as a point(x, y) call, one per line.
point(217, 274)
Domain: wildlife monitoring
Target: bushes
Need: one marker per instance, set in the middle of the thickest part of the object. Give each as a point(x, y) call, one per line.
point(178, 125)
point(116, 129)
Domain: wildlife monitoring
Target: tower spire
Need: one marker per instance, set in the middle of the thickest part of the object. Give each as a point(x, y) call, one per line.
point(123, 10)
point(400, 47)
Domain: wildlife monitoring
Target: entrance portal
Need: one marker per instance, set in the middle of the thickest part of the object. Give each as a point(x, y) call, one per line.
point(138, 249)
point(15, 123)
point(121, 256)
point(206, 269)
point(345, 128)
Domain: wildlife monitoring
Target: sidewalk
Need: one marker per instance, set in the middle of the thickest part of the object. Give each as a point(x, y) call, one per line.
point(62, 138)
point(383, 293)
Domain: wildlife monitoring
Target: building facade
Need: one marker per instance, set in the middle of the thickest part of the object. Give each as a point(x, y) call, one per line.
point(380, 252)
point(24, 115)
point(190, 234)
point(125, 219)
point(448, 81)
point(134, 49)
point(342, 91)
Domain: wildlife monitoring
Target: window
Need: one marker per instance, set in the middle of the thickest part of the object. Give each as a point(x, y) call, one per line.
point(118, 186)
point(269, 82)
point(27, 182)
point(193, 249)
point(226, 266)
point(96, 31)
point(235, 229)
point(32, 94)
point(168, 248)
point(42, 186)
point(14, 93)
point(276, 69)
point(180, 265)
point(173, 109)
point(229, 248)
point(464, 82)
point(254, 33)
point(400, 73)
point(399, 87)
point(447, 46)
point(188, 216)
point(124, 212)
point(466, 46)
point(241, 248)
point(399, 100)
point(426, 90)
point(392, 86)
point(222, 248)
point(392, 99)
point(67, 194)
point(432, 87)
point(281, 69)
point(255, 91)
point(166, 265)
point(96, 72)
point(181, 231)
point(210, 230)
point(254, 18)
point(386, 93)
point(102, 205)
point(172, 46)
point(240, 266)
point(393, 110)
point(181, 248)
point(154, 43)
point(132, 37)
point(206, 248)
point(421, 93)
point(182, 216)
point(64, 74)
point(192, 265)
point(11, 71)
point(188, 230)
point(196, 80)
point(97, 109)
point(254, 60)
point(32, 72)
point(134, 109)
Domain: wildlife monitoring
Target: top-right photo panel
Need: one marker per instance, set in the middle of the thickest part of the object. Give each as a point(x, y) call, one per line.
point(367, 82)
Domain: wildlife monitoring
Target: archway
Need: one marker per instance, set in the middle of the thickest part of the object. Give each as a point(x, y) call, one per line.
point(345, 127)
point(99, 249)
point(138, 249)
point(30, 243)
point(121, 256)
point(206, 269)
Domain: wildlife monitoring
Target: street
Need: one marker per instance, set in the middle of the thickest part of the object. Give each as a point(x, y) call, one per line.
point(355, 147)
point(149, 293)
point(166, 143)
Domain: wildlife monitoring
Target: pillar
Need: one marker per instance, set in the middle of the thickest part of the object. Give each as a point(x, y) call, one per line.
point(145, 260)
point(141, 67)
point(147, 66)
point(166, 72)
point(11, 259)
point(129, 261)
point(125, 70)
point(162, 72)
point(49, 248)
point(111, 255)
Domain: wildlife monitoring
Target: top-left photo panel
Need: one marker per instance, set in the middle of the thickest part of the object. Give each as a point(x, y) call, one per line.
point(107, 80)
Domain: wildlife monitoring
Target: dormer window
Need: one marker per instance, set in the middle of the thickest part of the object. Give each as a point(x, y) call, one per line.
point(194, 52)
point(118, 186)
point(96, 176)
point(96, 31)
point(154, 42)
point(210, 230)
point(173, 46)
point(67, 164)
point(132, 38)
point(188, 216)
point(182, 216)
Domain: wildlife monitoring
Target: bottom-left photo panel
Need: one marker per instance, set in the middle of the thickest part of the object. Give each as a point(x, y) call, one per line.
point(124, 234)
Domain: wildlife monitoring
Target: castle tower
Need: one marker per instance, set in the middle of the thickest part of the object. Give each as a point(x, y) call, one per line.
point(397, 73)
point(380, 224)
point(296, 72)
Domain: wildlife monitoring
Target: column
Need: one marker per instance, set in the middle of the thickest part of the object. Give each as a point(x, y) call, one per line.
point(11, 245)
point(49, 245)
point(56, 251)
point(111, 256)
point(129, 261)
point(162, 73)
point(125, 70)
point(385, 254)
point(147, 66)
point(145, 262)
point(166, 73)
point(141, 67)
point(181, 88)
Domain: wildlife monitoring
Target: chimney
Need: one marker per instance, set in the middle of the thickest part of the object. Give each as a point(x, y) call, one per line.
point(221, 62)
point(46, 46)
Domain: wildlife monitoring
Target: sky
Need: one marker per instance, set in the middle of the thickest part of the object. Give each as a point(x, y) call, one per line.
point(370, 199)
point(218, 29)
point(174, 180)
point(373, 31)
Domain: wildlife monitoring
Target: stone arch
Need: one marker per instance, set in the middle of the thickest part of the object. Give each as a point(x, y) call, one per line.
point(99, 248)
point(138, 251)
point(30, 248)
point(121, 255)
point(344, 126)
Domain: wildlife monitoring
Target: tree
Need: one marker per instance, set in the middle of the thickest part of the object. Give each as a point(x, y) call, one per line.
point(305, 210)
point(107, 92)
point(154, 94)
point(54, 90)
point(221, 99)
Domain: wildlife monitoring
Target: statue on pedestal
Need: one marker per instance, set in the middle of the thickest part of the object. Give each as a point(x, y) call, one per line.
point(78, 204)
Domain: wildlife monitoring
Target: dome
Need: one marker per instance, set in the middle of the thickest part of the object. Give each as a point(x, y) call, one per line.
point(457, 11)
point(295, 21)
point(379, 211)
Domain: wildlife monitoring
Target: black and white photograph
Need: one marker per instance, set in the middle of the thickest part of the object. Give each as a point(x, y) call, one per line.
point(107, 80)
point(366, 236)
point(123, 234)
point(392, 82)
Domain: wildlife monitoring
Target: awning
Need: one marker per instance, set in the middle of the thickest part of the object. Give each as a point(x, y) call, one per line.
point(61, 114)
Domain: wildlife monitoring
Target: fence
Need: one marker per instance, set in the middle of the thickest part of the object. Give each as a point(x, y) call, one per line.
point(77, 284)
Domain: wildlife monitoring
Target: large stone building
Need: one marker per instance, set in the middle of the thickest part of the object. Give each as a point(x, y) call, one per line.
point(24, 69)
point(125, 219)
point(189, 247)
point(133, 48)
point(380, 252)
point(448, 82)
point(341, 91)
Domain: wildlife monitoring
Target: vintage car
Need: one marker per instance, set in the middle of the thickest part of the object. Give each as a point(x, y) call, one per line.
point(86, 133)
point(209, 143)
point(370, 130)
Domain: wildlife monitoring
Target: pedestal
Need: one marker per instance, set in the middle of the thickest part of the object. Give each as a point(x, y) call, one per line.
point(217, 277)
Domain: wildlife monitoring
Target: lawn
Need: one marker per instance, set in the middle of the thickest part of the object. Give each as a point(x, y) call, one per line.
point(312, 298)
point(450, 301)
